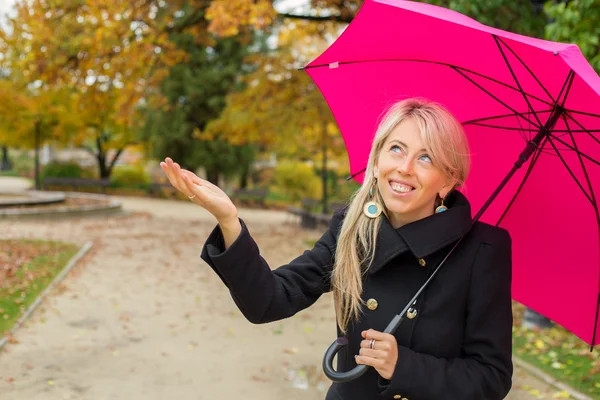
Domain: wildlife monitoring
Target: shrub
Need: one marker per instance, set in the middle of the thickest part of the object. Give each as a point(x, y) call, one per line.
point(297, 180)
point(129, 176)
point(57, 169)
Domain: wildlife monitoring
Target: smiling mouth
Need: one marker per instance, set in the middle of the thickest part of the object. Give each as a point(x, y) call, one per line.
point(401, 188)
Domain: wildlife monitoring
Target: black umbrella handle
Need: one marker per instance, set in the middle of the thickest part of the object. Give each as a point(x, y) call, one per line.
point(359, 370)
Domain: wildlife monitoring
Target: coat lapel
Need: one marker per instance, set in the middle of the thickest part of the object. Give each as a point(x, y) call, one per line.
point(425, 236)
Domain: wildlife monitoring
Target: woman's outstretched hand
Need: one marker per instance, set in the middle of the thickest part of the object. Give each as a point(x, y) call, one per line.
point(201, 192)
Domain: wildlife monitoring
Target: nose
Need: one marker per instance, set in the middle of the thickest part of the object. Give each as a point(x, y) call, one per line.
point(405, 166)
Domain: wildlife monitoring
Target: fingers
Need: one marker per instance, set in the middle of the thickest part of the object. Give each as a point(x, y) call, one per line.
point(197, 180)
point(193, 189)
point(377, 345)
point(380, 354)
point(378, 336)
point(376, 363)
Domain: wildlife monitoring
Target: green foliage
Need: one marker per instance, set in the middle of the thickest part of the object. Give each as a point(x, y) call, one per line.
point(23, 164)
point(519, 16)
point(64, 170)
point(297, 181)
point(577, 22)
point(195, 91)
point(129, 176)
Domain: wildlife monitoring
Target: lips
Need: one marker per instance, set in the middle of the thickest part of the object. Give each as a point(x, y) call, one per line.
point(401, 187)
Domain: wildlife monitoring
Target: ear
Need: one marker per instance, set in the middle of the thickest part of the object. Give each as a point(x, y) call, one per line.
point(447, 188)
point(376, 173)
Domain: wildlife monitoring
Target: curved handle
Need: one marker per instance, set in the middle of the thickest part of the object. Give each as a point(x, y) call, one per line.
point(359, 370)
point(331, 373)
point(336, 346)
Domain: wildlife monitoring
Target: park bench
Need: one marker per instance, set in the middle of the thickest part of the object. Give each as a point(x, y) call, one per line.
point(76, 182)
point(251, 196)
point(157, 188)
point(310, 219)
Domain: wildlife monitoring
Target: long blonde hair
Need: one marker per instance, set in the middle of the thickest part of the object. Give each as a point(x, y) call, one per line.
point(445, 140)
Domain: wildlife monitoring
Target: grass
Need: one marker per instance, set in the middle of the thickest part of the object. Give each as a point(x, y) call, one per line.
point(560, 354)
point(27, 267)
point(11, 173)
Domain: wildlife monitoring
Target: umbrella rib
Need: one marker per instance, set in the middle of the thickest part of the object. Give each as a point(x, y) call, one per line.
point(522, 184)
point(574, 149)
point(546, 102)
point(573, 174)
point(581, 126)
point(505, 127)
point(582, 130)
point(512, 72)
point(595, 204)
point(585, 172)
point(526, 67)
point(503, 116)
point(568, 81)
point(582, 113)
point(494, 97)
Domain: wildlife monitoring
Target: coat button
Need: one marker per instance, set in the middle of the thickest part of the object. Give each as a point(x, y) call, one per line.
point(411, 313)
point(422, 262)
point(372, 304)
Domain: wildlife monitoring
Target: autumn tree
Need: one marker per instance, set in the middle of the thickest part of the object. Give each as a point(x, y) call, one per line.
point(280, 108)
point(111, 54)
point(195, 93)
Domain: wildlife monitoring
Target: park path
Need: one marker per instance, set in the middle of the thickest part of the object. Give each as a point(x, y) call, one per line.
point(143, 317)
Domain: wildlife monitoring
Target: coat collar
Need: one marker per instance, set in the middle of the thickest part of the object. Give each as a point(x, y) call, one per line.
point(425, 236)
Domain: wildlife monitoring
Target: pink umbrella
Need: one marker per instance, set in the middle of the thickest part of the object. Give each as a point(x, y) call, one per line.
point(522, 101)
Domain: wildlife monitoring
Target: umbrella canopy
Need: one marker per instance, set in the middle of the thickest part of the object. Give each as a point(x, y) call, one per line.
point(507, 90)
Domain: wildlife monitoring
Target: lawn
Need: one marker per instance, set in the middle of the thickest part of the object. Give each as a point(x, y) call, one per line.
point(27, 267)
point(560, 354)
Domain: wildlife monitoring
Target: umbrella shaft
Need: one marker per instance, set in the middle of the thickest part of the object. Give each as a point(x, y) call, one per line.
point(529, 149)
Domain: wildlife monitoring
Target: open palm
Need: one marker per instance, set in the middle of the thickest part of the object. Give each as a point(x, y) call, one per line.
point(200, 191)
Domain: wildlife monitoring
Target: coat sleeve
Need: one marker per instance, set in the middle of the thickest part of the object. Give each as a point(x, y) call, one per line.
point(484, 370)
point(261, 294)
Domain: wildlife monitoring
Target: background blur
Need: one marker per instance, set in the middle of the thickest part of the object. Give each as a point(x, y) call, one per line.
point(112, 86)
point(102, 90)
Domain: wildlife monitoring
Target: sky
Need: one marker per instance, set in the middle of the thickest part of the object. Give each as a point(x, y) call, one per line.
point(5, 7)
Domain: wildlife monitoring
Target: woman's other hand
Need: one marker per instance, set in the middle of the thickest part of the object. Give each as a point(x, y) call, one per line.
point(383, 355)
point(201, 192)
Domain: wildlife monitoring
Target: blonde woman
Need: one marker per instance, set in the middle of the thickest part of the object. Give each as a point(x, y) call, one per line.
point(377, 252)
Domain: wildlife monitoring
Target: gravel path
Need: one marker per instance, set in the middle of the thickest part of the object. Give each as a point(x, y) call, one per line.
point(143, 317)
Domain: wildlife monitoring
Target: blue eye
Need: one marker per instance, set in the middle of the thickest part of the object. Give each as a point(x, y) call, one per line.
point(425, 158)
point(395, 147)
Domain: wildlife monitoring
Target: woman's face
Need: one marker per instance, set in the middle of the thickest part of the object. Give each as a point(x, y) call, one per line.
point(407, 179)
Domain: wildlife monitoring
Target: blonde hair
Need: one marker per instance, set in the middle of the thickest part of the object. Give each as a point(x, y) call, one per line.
point(446, 143)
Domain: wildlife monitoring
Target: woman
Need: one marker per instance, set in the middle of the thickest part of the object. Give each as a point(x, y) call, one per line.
point(456, 340)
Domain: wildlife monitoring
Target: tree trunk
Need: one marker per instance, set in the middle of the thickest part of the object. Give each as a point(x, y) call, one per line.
point(212, 175)
point(244, 178)
point(324, 167)
point(38, 137)
point(6, 164)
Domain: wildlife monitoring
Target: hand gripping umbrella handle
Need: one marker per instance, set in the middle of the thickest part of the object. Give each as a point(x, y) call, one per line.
point(359, 370)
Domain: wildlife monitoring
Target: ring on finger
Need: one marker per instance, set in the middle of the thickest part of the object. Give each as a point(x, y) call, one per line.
point(372, 344)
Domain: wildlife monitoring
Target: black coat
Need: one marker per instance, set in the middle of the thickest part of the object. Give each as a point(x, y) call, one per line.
point(457, 346)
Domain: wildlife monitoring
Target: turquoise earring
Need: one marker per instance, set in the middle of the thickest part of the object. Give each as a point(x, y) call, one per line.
point(441, 208)
point(372, 209)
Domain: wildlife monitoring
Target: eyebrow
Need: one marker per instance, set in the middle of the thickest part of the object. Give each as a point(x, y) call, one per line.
point(404, 145)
